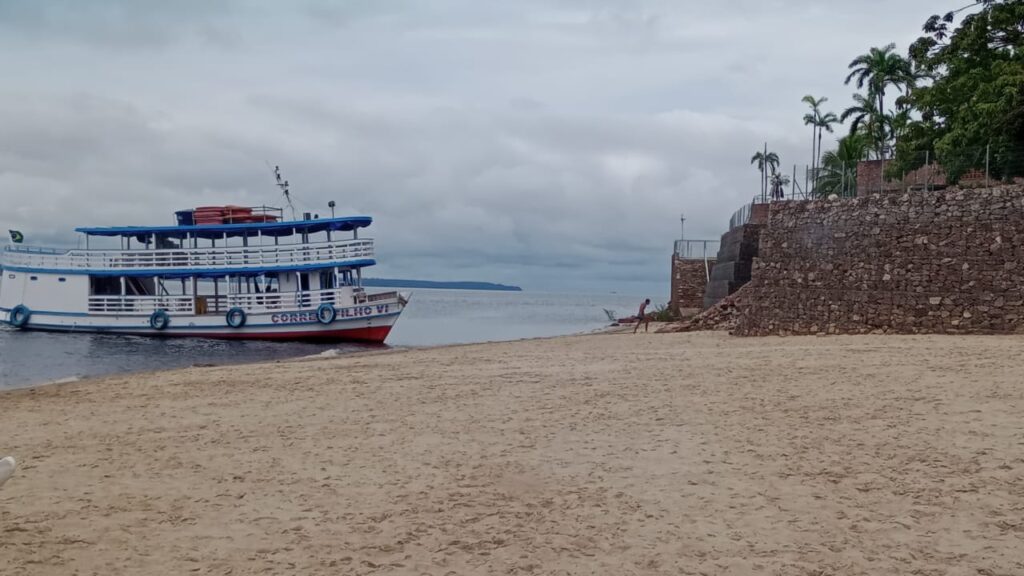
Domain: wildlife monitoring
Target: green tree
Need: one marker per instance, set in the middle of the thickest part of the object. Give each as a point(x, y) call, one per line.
point(825, 124)
point(765, 162)
point(818, 122)
point(869, 121)
point(975, 103)
point(839, 167)
point(915, 78)
point(879, 69)
point(778, 184)
point(897, 125)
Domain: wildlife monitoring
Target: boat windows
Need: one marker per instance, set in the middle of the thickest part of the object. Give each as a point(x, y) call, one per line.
point(104, 286)
point(33, 278)
point(62, 279)
point(327, 280)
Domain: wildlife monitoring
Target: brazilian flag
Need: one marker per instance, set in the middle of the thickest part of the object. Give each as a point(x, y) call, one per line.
point(17, 237)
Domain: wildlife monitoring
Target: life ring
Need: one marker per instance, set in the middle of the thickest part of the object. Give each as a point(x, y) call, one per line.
point(20, 315)
point(235, 317)
point(159, 320)
point(326, 313)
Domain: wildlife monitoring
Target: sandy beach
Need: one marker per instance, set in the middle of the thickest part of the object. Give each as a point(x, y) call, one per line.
point(602, 454)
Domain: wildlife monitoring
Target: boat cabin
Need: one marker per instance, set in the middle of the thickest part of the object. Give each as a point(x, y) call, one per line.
point(213, 260)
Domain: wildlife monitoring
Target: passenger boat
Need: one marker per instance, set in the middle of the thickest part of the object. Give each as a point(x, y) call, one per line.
point(220, 272)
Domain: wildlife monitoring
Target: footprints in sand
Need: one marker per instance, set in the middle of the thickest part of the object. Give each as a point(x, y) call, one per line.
point(554, 457)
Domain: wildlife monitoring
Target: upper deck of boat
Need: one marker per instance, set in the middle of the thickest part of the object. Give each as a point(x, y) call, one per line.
point(211, 250)
point(226, 231)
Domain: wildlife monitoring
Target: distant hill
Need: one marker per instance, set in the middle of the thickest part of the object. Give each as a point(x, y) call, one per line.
point(399, 283)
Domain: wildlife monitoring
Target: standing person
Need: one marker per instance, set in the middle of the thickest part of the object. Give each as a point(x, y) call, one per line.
point(642, 316)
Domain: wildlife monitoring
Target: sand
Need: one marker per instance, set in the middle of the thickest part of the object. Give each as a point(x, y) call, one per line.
point(604, 454)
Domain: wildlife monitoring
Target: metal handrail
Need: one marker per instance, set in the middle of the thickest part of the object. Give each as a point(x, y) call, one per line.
point(696, 249)
point(188, 258)
point(741, 216)
point(141, 305)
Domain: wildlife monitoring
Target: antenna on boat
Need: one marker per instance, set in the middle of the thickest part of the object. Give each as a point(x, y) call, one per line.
point(283, 185)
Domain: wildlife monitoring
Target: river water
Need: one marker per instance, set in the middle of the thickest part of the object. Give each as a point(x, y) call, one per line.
point(434, 317)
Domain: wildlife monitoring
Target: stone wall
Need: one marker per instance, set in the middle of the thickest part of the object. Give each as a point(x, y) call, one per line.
point(689, 279)
point(734, 262)
point(923, 262)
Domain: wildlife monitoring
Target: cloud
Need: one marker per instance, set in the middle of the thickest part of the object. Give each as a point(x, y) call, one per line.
point(470, 189)
point(114, 24)
point(551, 143)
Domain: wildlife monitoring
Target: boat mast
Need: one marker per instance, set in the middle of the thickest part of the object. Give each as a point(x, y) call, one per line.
point(283, 185)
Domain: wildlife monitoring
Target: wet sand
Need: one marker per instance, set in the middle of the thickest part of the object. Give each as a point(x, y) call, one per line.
point(602, 454)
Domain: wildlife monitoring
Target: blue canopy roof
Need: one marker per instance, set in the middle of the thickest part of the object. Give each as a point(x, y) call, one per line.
point(346, 224)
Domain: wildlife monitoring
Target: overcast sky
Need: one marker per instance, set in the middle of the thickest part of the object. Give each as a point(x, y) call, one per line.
point(546, 143)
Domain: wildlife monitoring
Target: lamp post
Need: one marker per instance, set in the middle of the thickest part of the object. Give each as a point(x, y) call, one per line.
point(331, 206)
point(682, 226)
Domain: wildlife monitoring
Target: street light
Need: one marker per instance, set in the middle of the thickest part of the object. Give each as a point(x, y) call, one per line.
point(331, 206)
point(682, 226)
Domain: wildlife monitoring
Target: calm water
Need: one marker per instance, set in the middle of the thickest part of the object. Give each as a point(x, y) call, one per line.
point(433, 317)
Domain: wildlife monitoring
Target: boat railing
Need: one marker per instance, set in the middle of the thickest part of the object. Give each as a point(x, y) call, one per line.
point(29, 249)
point(274, 301)
point(221, 303)
point(185, 259)
point(141, 305)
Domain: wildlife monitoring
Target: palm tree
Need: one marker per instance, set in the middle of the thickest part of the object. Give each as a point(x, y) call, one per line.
point(879, 69)
point(897, 124)
point(773, 161)
point(867, 119)
point(764, 162)
point(915, 75)
point(779, 182)
point(839, 166)
point(818, 122)
point(811, 119)
point(824, 123)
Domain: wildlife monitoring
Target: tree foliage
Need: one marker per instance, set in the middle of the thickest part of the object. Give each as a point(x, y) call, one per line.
point(868, 121)
point(778, 185)
point(975, 102)
point(765, 162)
point(819, 122)
point(838, 174)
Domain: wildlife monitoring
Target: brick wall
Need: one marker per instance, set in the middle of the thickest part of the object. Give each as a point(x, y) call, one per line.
point(689, 279)
point(759, 214)
point(936, 262)
point(870, 178)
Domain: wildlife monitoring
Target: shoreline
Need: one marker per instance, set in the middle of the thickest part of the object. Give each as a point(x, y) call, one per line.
point(385, 350)
point(596, 453)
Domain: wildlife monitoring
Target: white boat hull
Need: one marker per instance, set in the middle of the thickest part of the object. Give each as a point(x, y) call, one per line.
point(371, 322)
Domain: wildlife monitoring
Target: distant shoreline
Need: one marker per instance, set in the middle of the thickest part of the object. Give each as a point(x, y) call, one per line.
point(401, 283)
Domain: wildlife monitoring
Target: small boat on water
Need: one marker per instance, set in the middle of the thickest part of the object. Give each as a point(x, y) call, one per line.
point(221, 272)
point(616, 320)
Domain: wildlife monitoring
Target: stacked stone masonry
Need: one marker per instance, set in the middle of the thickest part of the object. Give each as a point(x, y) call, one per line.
point(689, 280)
point(734, 263)
point(923, 262)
